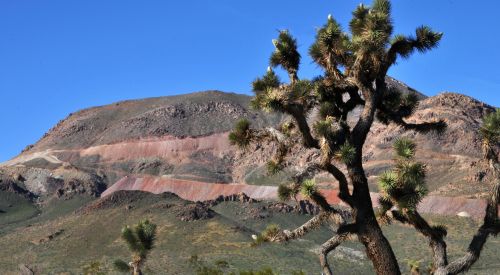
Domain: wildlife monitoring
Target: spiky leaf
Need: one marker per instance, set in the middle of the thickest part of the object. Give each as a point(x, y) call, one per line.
point(405, 148)
point(426, 38)
point(346, 153)
point(383, 6)
point(130, 238)
point(271, 232)
point(240, 136)
point(268, 81)
point(285, 193)
point(146, 234)
point(490, 129)
point(388, 182)
point(308, 188)
point(285, 54)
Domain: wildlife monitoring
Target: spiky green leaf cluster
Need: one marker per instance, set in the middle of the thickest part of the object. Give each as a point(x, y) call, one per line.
point(269, 234)
point(308, 188)
point(241, 134)
point(268, 81)
point(328, 109)
point(287, 128)
point(490, 129)
point(346, 153)
point(405, 148)
point(285, 193)
point(371, 30)
point(141, 238)
point(262, 86)
point(272, 230)
point(331, 46)
point(388, 181)
point(300, 92)
point(396, 105)
point(279, 99)
point(328, 128)
point(323, 127)
point(425, 39)
point(405, 185)
point(411, 173)
point(285, 54)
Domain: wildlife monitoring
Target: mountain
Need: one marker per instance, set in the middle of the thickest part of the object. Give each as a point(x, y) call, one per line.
point(64, 199)
point(185, 137)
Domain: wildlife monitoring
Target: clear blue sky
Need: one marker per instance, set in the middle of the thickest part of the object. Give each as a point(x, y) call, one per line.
point(57, 57)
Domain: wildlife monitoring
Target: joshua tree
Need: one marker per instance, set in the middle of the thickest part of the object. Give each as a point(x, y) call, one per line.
point(355, 66)
point(404, 187)
point(140, 241)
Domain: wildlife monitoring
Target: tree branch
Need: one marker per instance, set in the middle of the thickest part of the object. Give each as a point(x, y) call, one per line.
point(299, 232)
point(333, 243)
point(344, 194)
point(297, 112)
point(491, 226)
point(360, 131)
point(423, 127)
point(308, 172)
point(435, 236)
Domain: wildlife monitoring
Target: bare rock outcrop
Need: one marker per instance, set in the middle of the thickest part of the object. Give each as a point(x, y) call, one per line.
point(185, 137)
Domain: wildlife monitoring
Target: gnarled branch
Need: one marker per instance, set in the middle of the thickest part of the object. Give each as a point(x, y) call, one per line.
point(435, 236)
point(491, 226)
point(302, 230)
point(297, 112)
point(344, 194)
point(344, 233)
point(423, 127)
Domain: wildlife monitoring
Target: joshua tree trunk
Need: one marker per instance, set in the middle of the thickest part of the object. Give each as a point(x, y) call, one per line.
point(377, 247)
point(370, 235)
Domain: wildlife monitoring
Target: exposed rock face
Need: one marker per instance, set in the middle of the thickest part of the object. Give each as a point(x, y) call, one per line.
point(212, 194)
point(62, 182)
point(194, 212)
point(185, 137)
point(304, 207)
point(192, 115)
point(127, 198)
point(11, 185)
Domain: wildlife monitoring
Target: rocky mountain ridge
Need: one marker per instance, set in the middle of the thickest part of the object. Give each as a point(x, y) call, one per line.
point(185, 137)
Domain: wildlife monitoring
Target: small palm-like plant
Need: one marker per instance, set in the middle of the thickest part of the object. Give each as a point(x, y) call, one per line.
point(490, 131)
point(140, 241)
point(404, 186)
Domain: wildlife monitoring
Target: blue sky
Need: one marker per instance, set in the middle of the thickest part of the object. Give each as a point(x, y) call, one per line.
point(57, 57)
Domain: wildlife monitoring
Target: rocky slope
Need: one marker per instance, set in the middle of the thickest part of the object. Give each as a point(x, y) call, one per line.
point(185, 137)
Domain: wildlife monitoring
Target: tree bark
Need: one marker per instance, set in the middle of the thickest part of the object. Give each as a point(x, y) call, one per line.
point(326, 248)
point(378, 249)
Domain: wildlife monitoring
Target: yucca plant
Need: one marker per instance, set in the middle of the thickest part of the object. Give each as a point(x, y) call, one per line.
point(404, 186)
point(140, 240)
point(354, 62)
